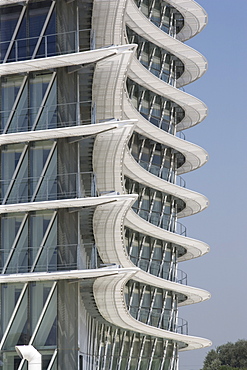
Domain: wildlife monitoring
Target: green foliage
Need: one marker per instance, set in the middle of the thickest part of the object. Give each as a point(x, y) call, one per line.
point(229, 356)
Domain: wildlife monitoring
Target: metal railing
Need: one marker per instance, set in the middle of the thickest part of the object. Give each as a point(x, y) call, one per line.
point(46, 117)
point(181, 277)
point(174, 324)
point(46, 188)
point(167, 222)
point(156, 268)
point(181, 135)
point(48, 45)
point(164, 173)
point(48, 258)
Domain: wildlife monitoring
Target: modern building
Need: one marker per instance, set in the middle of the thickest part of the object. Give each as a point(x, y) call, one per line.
point(91, 150)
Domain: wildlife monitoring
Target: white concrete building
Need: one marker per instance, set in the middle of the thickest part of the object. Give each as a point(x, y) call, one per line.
point(92, 150)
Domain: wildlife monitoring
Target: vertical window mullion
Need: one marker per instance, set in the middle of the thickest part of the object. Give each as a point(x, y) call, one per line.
point(15, 105)
point(13, 39)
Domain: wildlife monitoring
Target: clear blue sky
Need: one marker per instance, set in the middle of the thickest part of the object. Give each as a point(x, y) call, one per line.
point(223, 180)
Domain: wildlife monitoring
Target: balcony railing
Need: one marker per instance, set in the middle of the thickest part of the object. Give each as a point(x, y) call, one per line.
point(46, 117)
point(156, 268)
point(46, 188)
point(164, 173)
point(164, 221)
point(47, 45)
point(48, 258)
point(160, 318)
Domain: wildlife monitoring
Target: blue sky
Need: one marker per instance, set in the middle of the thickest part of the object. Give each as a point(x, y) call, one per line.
point(223, 180)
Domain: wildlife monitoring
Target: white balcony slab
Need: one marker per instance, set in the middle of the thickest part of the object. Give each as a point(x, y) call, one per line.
point(195, 156)
point(195, 110)
point(57, 204)
point(109, 82)
point(108, 228)
point(194, 248)
point(109, 297)
point(108, 21)
point(62, 132)
point(62, 275)
point(194, 62)
point(10, 2)
point(195, 17)
point(194, 201)
point(65, 60)
point(108, 154)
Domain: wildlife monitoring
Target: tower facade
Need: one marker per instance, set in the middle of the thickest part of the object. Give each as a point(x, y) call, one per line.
point(91, 150)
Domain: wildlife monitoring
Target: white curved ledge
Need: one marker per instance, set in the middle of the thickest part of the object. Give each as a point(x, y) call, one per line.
point(62, 275)
point(195, 156)
point(108, 225)
point(195, 109)
point(108, 156)
point(57, 204)
point(108, 84)
point(195, 18)
point(61, 132)
point(194, 248)
point(65, 60)
point(195, 202)
point(109, 297)
point(195, 63)
point(107, 21)
point(10, 2)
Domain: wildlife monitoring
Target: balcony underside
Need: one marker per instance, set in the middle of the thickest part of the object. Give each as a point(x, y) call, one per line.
point(65, 60)
point(62, 275)
point(195, 110)
point(109, 297)
point(195, 248)
point(195, 202)
point(195, 63)
point(195, 156)
point(108, 228)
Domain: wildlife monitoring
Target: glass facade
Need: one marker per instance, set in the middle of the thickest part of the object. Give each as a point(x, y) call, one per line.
point(156, 158)
point(161, 112)
point(42, 233)
point(158, 61)
point(155, 256)
point(156, 207)
point(162, 14)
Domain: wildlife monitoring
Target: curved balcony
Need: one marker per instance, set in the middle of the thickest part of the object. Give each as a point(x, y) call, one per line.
point(158, 109)
point(162, 15)
point(108, 229)
point(194, 155)
point(110, 290)
point(194, 63)
point(194, 248)
point(178, 18)
point(195, 18)
point(157, 268)
point(158, 61)
point(194, 202)
point(194, 109)
point(166, 222)
point(163, 173)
